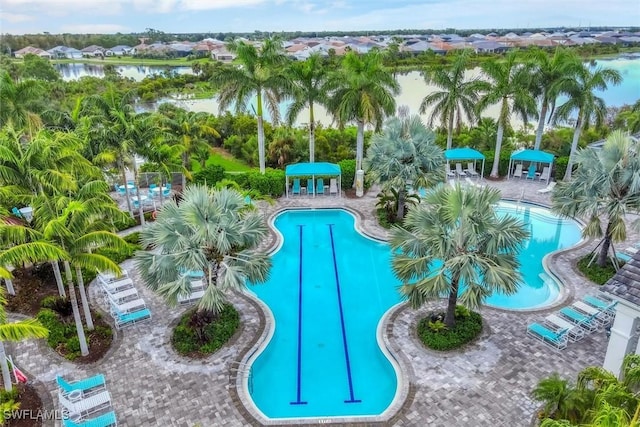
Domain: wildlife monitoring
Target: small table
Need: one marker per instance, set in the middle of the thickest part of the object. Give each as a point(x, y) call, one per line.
point(140, 198)
point(128, 187)
point(157, 189)
point(27, 212)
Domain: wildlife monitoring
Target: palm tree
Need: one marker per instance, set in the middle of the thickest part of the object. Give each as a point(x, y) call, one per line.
point(308, 79)
point(362, 91)
point(455, 244)
point(458, 96)
point(583, 100)
point(605, 188)
point(260, 74)
point(561, 399)
point(20, 103)
point(404, 154)
point(15, 331)
point(210, 231)
point(551, 75)
point(508, 87)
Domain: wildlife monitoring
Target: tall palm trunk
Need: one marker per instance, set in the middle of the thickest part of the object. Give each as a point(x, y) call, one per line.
point(574, 147)
point(359, 145)
point(6, 374)
point(185, 160)
point(137, 181)
point(604, 249)
point(496, 156)
point(10, 289)
point(541, 120)
point(400, 210)
point(127, 194)
point(83, 299)
point(450, 316)
point(450, 132)
point(260, 132)
point(84, 349)
point(58, 276)
point(312, 135)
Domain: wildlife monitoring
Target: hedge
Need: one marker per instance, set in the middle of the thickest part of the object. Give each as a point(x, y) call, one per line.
point(348, 168)
point(272, 183)
point(211, 175)
point(468, 327)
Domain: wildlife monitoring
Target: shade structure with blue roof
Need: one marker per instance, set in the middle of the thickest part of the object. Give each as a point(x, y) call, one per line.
point(312, 170)
point(533, 156)
point(465, 153)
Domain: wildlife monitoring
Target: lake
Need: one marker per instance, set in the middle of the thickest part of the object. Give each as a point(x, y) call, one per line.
point(412, 86)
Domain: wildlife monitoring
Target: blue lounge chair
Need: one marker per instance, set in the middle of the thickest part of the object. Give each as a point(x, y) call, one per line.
point(557, 340)
point(15, 211)
point(104, 420)
point(126, 319)
point(310, 186)
point(296, 187)
point(91, 384)
point(319, 186)
point(586, 322)
point(607, 306)
point(531, 173)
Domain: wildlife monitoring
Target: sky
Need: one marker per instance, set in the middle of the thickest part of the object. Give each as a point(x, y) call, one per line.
point(195, 16)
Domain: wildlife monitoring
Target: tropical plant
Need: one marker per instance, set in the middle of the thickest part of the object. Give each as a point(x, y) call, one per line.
point(20, 103)
point(15, 331)
point(362, 91)
point(455, 245)
point(404, 154)
point(389, 202)
point(583, 100)
point(605, 187)
point(551, 74)
point(260, 74)
point(308, 80)
point(458, 96)
point(210, 231)
point(508, 87)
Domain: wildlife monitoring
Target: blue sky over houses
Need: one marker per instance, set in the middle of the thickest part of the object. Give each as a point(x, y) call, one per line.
point(184, 16)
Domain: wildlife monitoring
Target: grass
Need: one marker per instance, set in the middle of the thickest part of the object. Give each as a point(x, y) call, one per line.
point(224, 159)
point(594, 272)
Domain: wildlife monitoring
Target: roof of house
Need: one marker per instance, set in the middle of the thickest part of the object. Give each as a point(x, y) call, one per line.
point(93, 48)
point(625, 285)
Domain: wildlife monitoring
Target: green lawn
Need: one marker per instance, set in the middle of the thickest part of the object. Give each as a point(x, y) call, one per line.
point(229, 163)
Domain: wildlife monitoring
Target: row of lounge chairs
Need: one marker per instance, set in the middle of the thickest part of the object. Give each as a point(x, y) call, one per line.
point(469, 171)
point(531, 173)
point(574, 322)
point(125, 305)
point(314, 190)
point(86, 403)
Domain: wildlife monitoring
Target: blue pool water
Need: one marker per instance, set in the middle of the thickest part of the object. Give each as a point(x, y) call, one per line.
point(329, 287)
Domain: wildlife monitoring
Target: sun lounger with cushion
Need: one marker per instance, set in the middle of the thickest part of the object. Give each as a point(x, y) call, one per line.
point(548, 188)
point(296, 187)
point(77, 406)
point(600, 304)
point(129, 306)
point(89, 385)
point(319, 186)
point(557, 340)
point(471, 170)
point(518, 171)
point(117, 286)
point(601, 316)
point(586, 322)
point(127, 319)
point(574, 331)
point(459, 170)
point(104, 420)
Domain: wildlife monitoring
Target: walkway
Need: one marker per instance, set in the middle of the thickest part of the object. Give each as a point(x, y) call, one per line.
point(486, 385)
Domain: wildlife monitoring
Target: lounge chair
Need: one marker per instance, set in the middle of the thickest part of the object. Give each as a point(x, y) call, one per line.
point(87, 386)
point(108, 277)
point(333, 186)
point(310, 186)
point(127, 307)
point(319, 186)
point(104, 420)
point(16, 212)
point(473, 184)
point(471, 170)
point(531, 173)
point(450, 173)
point(575, 332)
point(587, 322)
point(601, 304)
point(123, 295)
point(557, 340)
point(549, 188)
point(126, 319)
point(459, 170)
point(544, 176)
point(296, 187)
point(192, 297)
point(77, 406)
point(518, 171)
point(601, 316)
point(117, 285)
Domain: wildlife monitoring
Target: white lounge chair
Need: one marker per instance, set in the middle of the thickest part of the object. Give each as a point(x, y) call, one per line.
point(544, 176)
point(548, 188)
point(450, 173)
point(116, 286)
point(77, 406)
point(128, 307)
point(459, 170)
point(333, 186)
point(123, 295)
point(193, 297)
point(518, 171)
point(108, 277)
point(576, 333)
point(471, 170)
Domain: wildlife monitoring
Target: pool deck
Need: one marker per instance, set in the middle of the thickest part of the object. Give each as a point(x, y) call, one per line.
point(488, 383)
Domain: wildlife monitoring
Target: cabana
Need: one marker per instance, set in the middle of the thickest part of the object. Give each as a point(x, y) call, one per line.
point(533, 156)
point(460, 154)
point(313, 170)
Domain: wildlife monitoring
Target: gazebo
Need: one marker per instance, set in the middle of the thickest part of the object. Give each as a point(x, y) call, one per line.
point(533, 156)
point(313, 169)
point(460, 154)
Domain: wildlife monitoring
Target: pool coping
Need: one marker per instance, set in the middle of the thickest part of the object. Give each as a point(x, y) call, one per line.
point(405, 389)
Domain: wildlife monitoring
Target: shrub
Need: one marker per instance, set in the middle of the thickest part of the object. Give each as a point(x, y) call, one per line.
point(348, 168)
point(211, 175)
point(197, 335)
point(123, 225)
point(60, 305)
point(560, 167)
point(503, 165)
point(241, 178)
point(594, 272)
point(133, 238)
point(434, 334)
point(271, 183)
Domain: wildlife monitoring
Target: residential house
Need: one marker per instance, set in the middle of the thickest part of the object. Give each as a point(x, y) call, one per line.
point(33, 51)
point(120, 50)
point(222, 54)
point(93, 51)
point(65, 52)
point(486, 46)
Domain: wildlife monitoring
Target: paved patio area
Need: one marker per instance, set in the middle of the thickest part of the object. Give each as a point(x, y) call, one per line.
point(487, 384)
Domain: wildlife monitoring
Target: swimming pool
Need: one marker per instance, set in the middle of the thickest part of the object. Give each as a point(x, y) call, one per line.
point(328, 290)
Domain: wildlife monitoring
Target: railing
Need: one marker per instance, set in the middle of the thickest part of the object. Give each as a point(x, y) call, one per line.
point(236, 368)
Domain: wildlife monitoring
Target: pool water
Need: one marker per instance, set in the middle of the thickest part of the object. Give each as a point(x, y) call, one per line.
point(328, 289)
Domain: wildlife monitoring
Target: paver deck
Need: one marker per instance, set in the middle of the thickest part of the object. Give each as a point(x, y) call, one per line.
point(486, 384)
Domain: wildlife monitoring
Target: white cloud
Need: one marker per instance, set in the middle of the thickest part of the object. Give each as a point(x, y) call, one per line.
point(63, 7)
point(15, 17)
point(94, 28)
point(217, 4)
